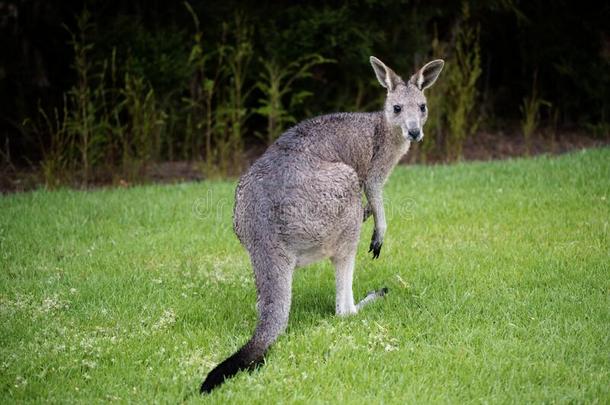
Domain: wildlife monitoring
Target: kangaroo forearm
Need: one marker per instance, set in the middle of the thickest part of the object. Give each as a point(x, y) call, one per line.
point(375, 202)
point(379, 216)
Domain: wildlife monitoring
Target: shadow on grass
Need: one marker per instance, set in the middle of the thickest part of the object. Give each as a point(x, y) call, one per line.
point(311, 304)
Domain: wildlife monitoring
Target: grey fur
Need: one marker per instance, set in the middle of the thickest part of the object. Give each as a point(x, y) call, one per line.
point(301, 201)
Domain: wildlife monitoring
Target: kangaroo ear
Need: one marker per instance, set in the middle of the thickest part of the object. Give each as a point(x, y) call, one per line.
point(427, 75)
point(387, 78)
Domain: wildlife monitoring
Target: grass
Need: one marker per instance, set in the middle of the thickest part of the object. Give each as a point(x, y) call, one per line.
point(498, 272)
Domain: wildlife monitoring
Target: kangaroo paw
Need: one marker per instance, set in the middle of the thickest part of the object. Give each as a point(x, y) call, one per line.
point(375, 246)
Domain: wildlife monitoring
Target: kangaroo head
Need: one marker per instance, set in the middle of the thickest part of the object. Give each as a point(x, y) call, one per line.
point(405, 104)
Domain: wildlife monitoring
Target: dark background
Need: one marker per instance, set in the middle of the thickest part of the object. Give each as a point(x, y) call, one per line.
point(563, 45)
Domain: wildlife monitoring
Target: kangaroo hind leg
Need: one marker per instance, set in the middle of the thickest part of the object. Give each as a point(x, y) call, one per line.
point(344, 274)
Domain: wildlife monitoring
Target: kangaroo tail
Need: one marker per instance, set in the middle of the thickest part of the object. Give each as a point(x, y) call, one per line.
point(246, 358)
point(274, 286)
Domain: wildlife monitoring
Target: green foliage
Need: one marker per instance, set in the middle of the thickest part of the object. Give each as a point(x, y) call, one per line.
point(146, 121)
point(105, 121)
point(84, 99)
point(453, 99)
point(83, 136)
point(202, 91)
point(276, 84)
point(218, 96)
point(203, 80)
point(155, 53)
point(436, 98)
point(238, 59)
point(530, 114)
point(461, 76)
point(208, 115)
point(55, 162)
point(498, 294)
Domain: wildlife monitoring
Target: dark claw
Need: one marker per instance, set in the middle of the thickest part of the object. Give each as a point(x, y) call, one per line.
point(376, 251)
point(375, 246)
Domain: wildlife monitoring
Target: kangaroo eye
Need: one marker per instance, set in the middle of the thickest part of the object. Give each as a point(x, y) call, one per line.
point(422, 108)
point(397, 109)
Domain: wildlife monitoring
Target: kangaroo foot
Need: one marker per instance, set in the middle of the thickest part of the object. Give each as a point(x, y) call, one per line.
point(372, 296)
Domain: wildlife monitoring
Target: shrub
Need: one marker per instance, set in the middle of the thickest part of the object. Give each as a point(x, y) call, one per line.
point(530, 114)
point(461, 76)
point(276, 85)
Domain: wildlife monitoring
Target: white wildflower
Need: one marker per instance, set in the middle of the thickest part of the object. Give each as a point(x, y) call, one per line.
point(167, 319)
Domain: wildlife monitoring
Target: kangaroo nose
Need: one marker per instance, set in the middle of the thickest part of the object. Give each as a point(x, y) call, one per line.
point(414, 133)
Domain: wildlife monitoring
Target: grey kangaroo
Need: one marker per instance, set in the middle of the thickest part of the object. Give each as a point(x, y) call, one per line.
point(301, 202)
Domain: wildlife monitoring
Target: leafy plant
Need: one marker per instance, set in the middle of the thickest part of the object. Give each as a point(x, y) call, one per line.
point(55, 160)
point(530, 114)
point(276, 84)
point(203, 86)
point(436, 125)
point(207, 71)
point(218, 95)
point(145, 123)
point(462, 73)
point(238, 59)
point(81, 117)
point(102, 119)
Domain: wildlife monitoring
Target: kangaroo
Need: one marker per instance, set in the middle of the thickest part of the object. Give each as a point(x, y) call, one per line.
point(301, 202)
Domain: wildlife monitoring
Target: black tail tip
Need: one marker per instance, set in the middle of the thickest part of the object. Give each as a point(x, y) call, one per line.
point(224, 370)
point(206, 387)
point(241, 360)
point(213, 380)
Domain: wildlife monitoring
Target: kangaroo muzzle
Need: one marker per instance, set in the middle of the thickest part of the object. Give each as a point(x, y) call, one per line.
point(415, 134)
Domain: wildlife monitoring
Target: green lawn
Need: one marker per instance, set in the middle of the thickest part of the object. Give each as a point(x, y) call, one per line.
point(499, 277)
